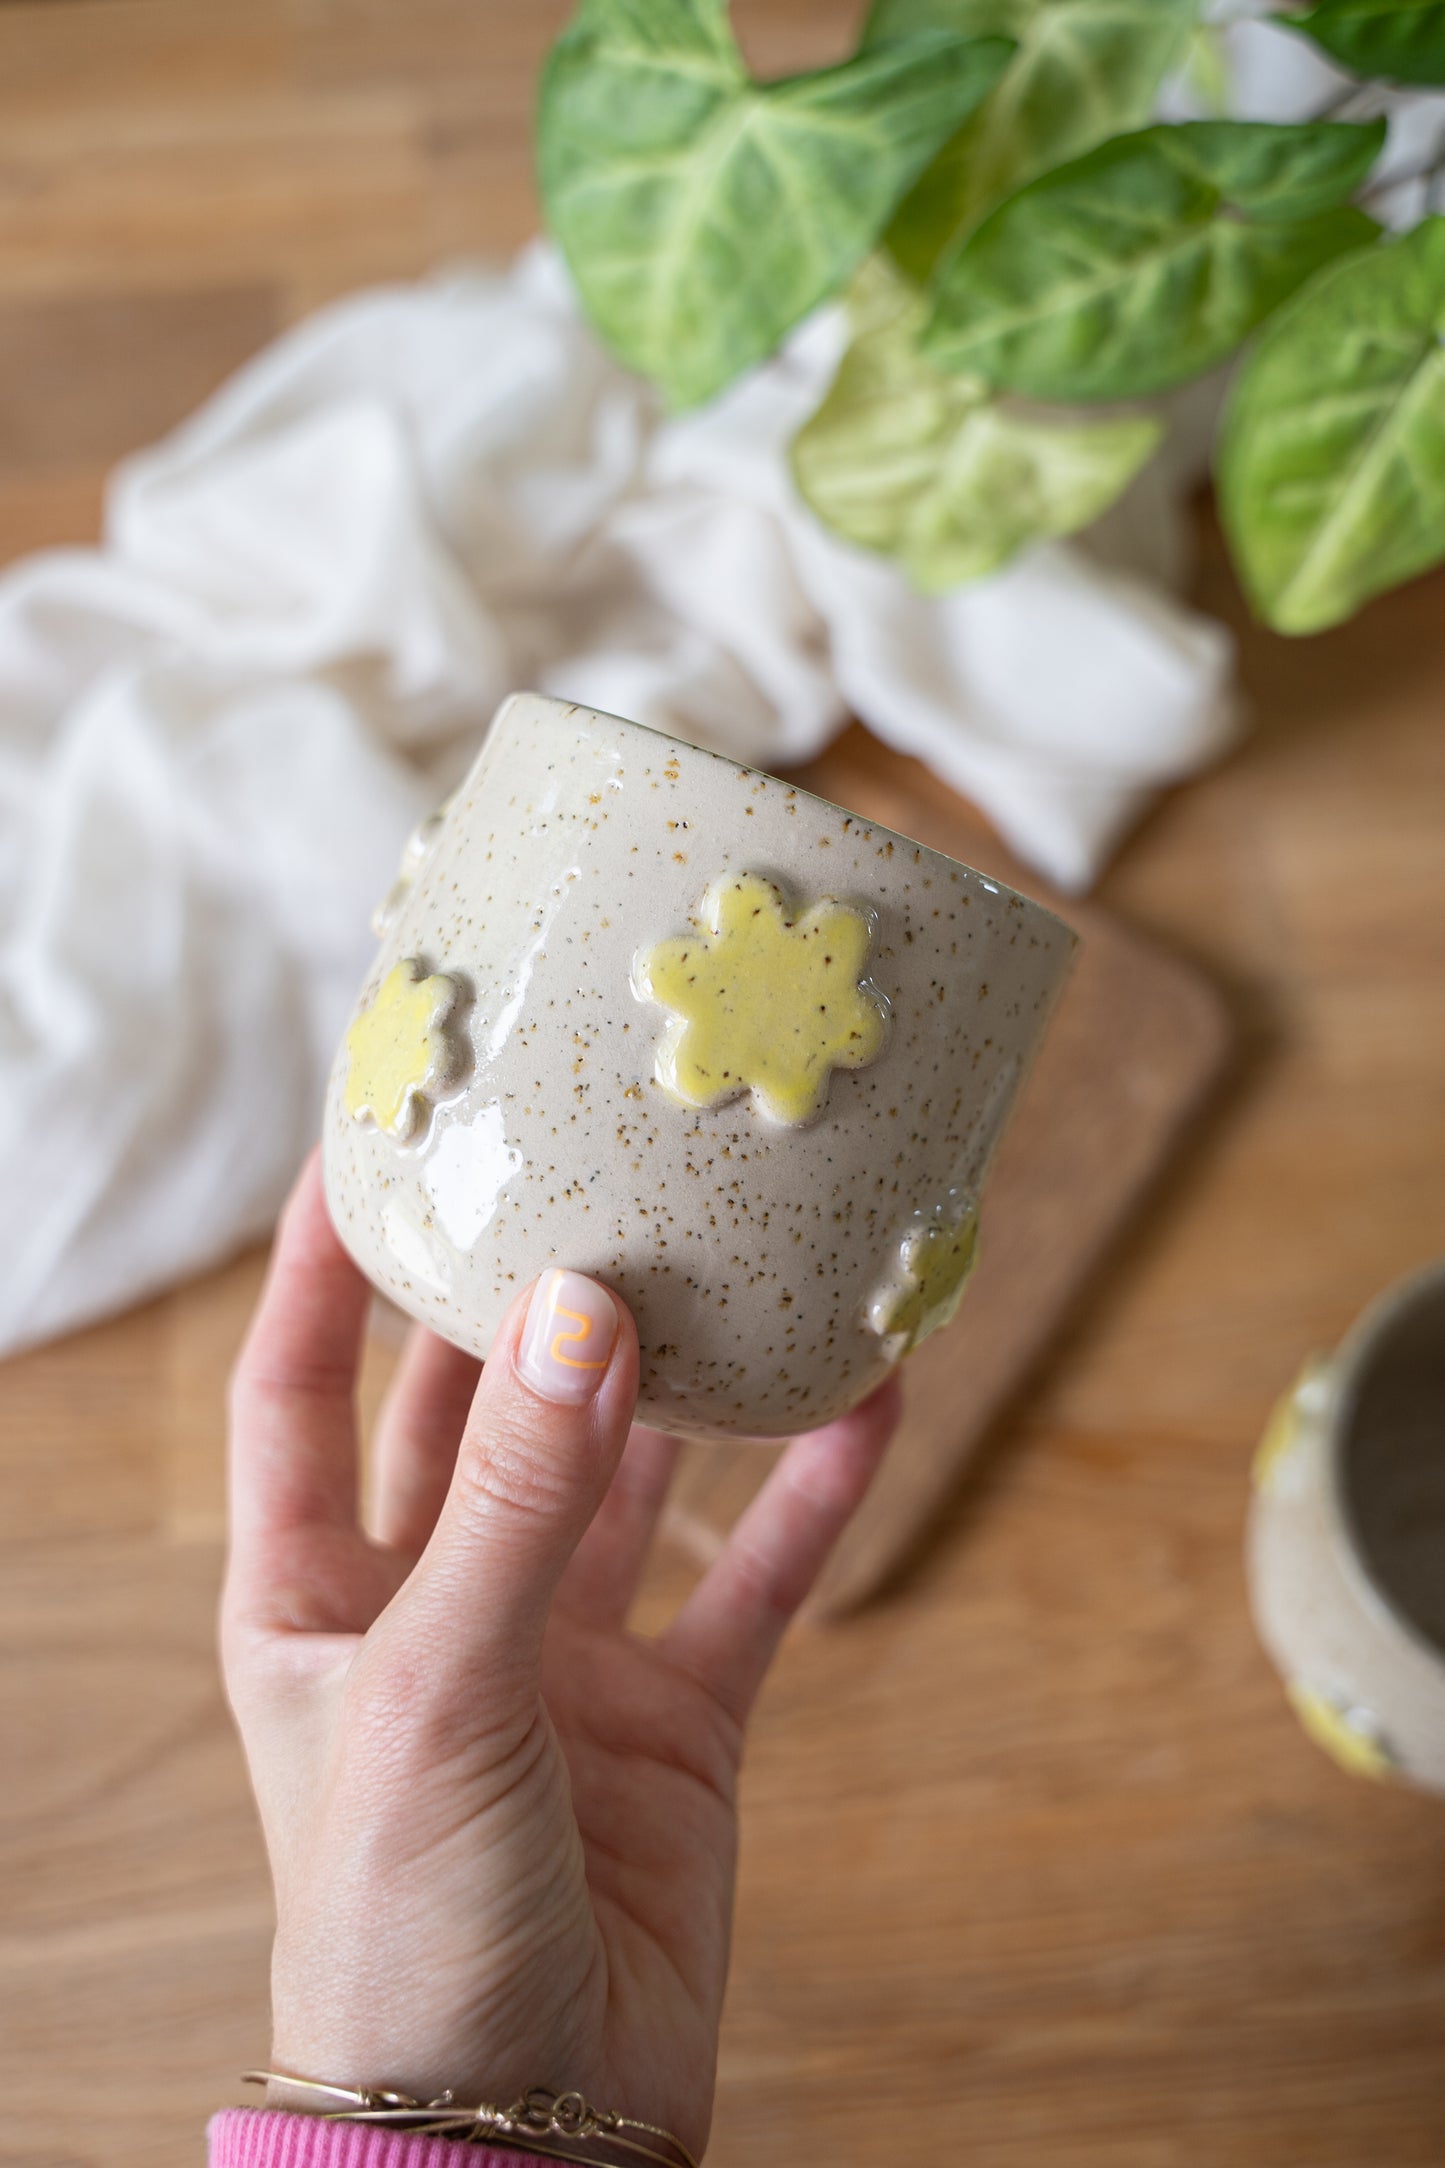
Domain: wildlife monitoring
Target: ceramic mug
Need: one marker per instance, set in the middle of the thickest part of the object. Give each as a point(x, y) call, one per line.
point(1346, 1549)
point(740, 1055)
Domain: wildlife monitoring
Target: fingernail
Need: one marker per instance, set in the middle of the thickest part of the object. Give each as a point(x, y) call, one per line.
point(567, 1339)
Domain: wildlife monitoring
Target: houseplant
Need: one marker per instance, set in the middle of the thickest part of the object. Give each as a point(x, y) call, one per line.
point(1029, 260)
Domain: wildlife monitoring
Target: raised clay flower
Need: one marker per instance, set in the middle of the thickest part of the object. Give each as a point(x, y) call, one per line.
point(1349, 1735)
point(762, 1002)
point(936, 1259)
point(399, 1054)
point(1294, 1421)
point(418, 849)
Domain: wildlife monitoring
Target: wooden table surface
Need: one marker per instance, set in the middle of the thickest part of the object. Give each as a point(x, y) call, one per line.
point(1036, 1869)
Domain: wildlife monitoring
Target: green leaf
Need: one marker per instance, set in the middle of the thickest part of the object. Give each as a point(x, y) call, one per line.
point(928, 469)
point(1331, 468)
point(1084, 69)
point(701, 213)
point(1401, 40)
point(1205, 68)
point(1145, 262)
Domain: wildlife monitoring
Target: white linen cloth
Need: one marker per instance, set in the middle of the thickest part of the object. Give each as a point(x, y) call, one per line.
point(217, 729)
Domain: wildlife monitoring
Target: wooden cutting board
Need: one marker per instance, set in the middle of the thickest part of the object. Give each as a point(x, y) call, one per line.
point(1138, 1041)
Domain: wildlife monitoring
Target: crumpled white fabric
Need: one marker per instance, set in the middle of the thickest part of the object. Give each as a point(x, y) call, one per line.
point(217, 729)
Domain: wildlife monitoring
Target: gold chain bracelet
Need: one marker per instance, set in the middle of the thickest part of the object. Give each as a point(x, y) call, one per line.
point(539, 2115)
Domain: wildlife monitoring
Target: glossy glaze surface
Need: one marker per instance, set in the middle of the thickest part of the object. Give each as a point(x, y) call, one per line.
point(781, 1244)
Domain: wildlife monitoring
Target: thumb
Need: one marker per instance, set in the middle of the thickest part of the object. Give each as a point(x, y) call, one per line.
point(542, 1442)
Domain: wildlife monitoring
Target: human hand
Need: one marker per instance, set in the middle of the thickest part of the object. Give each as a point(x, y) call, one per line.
point(502, 1828)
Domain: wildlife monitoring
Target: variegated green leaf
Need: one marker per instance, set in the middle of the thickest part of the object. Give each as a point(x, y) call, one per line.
point(1332, 461)
point(1401, 40)
point(930, 470)
point(1083, 70)
point(701, 213)
point(1148, 260)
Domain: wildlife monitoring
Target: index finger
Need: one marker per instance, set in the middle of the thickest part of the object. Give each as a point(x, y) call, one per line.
point(293, 1451)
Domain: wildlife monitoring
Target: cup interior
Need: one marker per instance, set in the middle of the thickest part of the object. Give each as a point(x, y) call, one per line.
point(1392, 1457)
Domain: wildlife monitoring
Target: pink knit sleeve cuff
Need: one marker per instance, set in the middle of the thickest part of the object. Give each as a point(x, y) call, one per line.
point(261, 2138)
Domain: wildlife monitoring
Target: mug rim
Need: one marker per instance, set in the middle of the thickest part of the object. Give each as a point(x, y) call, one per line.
point(563, 708)
point(1349, 1367)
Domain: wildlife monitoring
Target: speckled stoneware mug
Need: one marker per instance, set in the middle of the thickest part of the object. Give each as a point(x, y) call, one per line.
point(740, 1055)
point(1347, 1540)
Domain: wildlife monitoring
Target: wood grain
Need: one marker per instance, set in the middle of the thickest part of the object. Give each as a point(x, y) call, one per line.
point(1137, 1043)
point(1034, 1862)
point(132, 363)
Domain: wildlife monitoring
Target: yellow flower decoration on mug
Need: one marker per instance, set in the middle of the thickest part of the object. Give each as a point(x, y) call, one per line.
point(764, 1002)
point(936, 1258)
point(1292, 1426)
point(399, 1052)
point(1350, 1735)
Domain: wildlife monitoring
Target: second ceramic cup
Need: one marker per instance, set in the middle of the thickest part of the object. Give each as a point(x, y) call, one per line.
point(740, 1055)
point(1347, 1540)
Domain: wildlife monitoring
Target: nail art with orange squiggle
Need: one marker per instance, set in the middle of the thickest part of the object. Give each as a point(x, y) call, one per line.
point(568, 1337)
